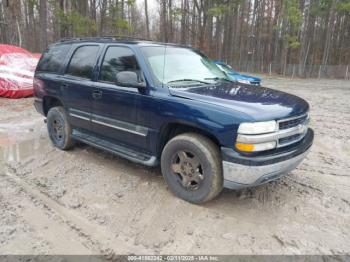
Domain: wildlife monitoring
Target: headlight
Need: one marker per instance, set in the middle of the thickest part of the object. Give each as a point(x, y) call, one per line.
point(256, 128)
point(243, 81)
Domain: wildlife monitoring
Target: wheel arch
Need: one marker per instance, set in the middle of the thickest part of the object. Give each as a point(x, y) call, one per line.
point(172, 129)
point(49, 102)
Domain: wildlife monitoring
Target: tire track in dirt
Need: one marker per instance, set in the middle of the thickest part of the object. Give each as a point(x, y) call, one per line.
point(307, 212)
point(97, 237)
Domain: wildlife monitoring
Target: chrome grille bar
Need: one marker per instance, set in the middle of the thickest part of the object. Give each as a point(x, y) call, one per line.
point(295, 134)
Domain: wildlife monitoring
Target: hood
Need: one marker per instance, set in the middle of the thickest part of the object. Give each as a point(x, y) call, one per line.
point(259, 103)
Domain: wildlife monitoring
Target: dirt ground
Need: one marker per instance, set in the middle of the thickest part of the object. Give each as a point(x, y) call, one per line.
point(86, 201)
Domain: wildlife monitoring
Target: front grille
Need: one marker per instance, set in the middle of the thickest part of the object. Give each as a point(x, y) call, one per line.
point(288, 139)
point(292, 122)
point(291, 130)
point(255, 83)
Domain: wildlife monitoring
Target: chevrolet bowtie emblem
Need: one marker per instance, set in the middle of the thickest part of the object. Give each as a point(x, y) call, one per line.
point(301, 128)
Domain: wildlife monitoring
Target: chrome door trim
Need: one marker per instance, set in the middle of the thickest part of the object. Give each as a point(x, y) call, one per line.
point(110, 122)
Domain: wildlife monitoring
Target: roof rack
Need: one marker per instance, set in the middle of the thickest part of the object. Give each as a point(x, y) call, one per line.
point(117, 38)
point(113, 37)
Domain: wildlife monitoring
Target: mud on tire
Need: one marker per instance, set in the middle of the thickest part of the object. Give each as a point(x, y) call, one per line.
point(191, 165)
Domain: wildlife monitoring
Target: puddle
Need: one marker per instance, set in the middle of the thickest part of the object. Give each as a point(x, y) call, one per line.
point(19, 151)
point(21, 127)
point(20, 141)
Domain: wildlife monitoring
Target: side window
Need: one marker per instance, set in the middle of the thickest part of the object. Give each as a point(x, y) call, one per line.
point(118, 59)
point(83, 61)
point(53, 58)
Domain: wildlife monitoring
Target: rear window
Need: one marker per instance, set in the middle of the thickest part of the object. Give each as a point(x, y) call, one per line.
point(83, 61)
point(53, 58)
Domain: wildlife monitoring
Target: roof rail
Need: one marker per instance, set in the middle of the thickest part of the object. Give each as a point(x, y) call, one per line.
point(112, 37)
point(131, 38)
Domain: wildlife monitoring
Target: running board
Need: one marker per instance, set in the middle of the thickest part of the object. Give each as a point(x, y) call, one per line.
point(122, 151)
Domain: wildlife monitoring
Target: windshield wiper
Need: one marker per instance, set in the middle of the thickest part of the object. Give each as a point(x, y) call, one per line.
point(188, 80)
point(218, 78)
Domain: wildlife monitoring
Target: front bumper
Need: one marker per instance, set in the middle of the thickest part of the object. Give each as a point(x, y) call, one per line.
point(247, 171)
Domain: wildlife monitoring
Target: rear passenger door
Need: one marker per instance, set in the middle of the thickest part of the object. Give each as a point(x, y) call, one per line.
point(77, 87)
point(115, 108)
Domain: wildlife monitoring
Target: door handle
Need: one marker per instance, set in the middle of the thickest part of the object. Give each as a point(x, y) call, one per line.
point(96, 94)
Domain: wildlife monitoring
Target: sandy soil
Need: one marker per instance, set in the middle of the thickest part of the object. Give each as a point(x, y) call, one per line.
point(86, 201)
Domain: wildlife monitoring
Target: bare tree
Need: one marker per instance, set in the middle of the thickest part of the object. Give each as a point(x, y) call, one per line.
point(251, 34)
point(147, 19)
point(43, 24)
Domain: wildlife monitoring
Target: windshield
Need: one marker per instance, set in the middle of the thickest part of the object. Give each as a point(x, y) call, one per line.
point(177, 65)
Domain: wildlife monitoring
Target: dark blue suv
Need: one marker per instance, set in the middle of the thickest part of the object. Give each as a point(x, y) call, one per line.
point(156, 103)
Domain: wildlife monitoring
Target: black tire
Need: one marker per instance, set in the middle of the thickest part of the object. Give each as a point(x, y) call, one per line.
point(187, 180)
point(59, 129)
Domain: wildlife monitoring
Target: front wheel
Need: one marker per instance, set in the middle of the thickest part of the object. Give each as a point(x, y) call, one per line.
point(191, 165)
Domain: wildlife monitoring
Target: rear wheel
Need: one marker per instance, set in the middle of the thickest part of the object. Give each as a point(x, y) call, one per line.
point(59, 129)
point(191, 166)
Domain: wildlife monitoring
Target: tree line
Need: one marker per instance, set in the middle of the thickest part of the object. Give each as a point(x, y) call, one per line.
point(303, 32)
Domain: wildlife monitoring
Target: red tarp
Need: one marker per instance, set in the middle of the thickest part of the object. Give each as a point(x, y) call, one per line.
point(17, 67)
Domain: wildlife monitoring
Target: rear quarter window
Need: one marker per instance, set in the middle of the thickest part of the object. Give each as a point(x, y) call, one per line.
point(53, 58)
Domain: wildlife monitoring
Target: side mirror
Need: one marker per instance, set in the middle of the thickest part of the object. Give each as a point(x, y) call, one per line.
point(129, 79)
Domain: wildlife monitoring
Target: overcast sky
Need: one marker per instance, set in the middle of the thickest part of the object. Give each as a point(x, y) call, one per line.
point(152, 5)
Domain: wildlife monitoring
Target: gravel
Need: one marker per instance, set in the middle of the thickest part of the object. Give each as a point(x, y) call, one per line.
point(87, 201)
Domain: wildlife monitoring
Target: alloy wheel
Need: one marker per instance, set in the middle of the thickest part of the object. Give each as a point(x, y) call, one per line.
point(188, 168)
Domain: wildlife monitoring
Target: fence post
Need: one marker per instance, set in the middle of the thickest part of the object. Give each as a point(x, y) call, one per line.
point(319, 72)
point(270, 70)
point(293, 71)
point(346, 72)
